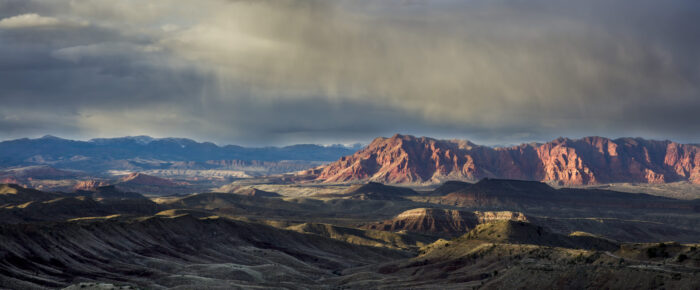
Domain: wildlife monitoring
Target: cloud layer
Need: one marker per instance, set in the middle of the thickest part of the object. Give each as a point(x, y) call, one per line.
point(286, 71)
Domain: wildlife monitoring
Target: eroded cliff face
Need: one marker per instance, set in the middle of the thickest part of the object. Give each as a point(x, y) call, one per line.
point(89, 184)
point(590, 160)
point(403, 159)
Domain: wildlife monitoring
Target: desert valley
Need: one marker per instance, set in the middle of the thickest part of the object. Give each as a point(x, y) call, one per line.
point(402, 212)
point(349, 144)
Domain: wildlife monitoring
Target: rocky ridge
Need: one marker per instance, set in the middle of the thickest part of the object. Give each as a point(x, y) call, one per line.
point(589, 160)
point(442, 221)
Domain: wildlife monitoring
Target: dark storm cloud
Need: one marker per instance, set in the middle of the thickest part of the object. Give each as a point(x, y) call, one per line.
point(259, 72)
point(68, 68)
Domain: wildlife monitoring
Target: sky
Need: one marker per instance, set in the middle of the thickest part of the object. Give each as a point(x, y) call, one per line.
point(276, 72)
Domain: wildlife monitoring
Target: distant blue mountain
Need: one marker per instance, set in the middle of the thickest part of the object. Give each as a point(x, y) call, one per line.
point(50, 149)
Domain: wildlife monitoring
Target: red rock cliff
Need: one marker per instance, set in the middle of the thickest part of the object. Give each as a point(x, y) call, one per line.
point(590, 160)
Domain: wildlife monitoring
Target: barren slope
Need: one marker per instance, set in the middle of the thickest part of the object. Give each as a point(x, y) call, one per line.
point(159, 252)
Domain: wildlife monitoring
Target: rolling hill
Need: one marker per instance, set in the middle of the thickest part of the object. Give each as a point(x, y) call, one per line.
point(167, 252)
point(373, 191)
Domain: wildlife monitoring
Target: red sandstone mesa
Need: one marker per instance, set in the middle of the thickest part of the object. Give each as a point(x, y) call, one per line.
point(590, 160)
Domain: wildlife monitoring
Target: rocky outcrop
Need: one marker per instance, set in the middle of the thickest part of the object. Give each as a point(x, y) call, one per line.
point(88, 185)
point(442, 221)
point(137, 178)
point(590, 160)
point(402, 159)
point(492, 216)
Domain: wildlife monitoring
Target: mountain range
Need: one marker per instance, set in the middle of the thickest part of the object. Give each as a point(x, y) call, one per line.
point(50, 148)
point(164, 156)
point(397, 159)
point(589, 160)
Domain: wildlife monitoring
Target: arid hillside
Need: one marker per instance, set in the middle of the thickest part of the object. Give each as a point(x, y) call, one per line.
point(361, 236)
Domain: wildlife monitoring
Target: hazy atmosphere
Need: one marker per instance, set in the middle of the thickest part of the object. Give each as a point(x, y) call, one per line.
point(281, 72)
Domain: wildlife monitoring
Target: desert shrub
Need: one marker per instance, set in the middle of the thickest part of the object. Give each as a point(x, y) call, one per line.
point(659, 252)
point(651, 253)
point(590, 260)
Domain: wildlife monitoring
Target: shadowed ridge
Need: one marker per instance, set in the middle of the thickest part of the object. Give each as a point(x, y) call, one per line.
point(518, 232)
point(519, 194)
point(182, 212)
point(510, 186)
point(373, 191)
point(13, 194)
point(368, 237)
point(251, 191)
point(21, 205)
point(63, 208)
point(501, 193)
point(379, 188)
point(450, 187)
point(108, 192)
point(149, 252)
